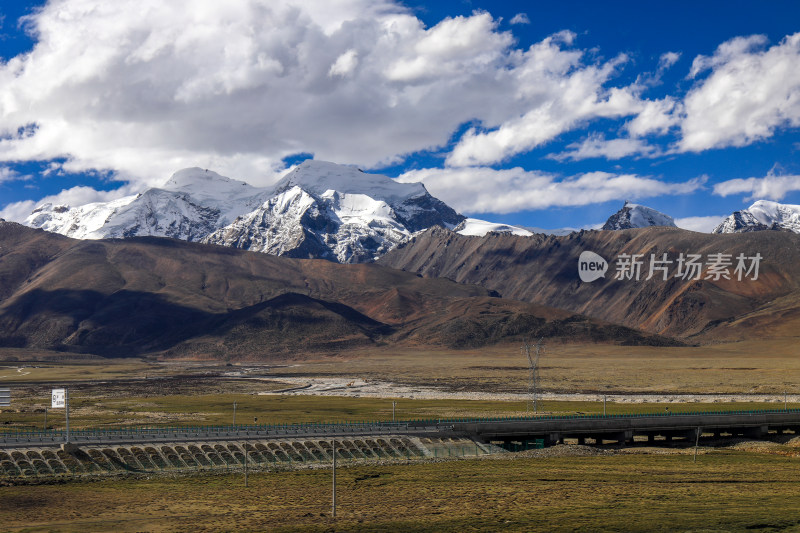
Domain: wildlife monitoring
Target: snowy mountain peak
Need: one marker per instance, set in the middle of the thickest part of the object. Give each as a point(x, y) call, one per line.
point(762, 215)
point(318, 210)
point(637, 216)
point(317, 177)
point(207, 184)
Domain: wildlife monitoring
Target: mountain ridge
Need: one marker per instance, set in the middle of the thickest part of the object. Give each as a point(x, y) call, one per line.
point(544, 270)
point(342, 214)
point(762, 215)
point(170, 298)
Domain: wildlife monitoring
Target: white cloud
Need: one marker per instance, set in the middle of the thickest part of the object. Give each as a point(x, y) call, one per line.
point(699, 224)
point(770, 187)
point(656, 116)
point(452, 48)
point(345, 64)
point(145, 87)
point(486, 190)
point(9, 174)
point(75, 196)
point(598, 146)
point(668, 59)
point(556, 94)
point(520, 18)
point(749, 93)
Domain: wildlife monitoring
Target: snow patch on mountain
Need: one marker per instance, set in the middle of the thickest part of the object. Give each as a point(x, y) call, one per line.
point(637, 216)
point(762, 215)
point(192, 203)
point(474, 227)
point(317, 177)
point(82, 222)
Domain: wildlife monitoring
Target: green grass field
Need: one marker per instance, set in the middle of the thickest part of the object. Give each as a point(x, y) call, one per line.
point(722, 491)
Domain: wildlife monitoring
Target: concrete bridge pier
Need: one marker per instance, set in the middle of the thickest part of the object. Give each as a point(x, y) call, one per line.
point(553, 438)
point(756, 432)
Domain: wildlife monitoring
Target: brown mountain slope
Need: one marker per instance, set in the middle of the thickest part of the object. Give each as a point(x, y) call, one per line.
point(544, 269)
point(148, 295)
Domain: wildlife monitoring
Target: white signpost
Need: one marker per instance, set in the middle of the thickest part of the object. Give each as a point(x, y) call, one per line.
point(60, 400)
point(5, 397)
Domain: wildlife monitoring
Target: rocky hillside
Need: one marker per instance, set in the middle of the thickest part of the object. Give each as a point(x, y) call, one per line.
point(701, 304)
point(173, 298)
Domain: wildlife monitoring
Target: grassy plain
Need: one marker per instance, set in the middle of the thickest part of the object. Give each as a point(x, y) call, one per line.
point(151, 392)
point(748, 367)
point(724, 490)
point(217, 409)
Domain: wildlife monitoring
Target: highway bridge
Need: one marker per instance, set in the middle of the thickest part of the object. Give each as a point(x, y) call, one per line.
point(200, 448)
point(624, 428)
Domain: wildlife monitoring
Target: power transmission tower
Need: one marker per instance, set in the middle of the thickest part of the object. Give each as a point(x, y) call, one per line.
point(533, 364)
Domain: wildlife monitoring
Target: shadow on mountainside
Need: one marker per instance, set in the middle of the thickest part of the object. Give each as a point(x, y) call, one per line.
point(127, 323)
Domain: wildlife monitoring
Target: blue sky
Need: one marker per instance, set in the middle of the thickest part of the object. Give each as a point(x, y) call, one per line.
point(526, 113)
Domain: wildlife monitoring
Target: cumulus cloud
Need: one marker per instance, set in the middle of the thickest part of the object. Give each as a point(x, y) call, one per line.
point(145, 87)
point(344, 64)
point(748, 94)
point(699, 224)
point(598, 146)
point(487, 190)
point(769, 187)
point(655, 117)
point(556, 93)
point(520, 18)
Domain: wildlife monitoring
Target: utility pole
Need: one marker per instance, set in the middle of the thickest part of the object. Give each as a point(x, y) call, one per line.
point(785, 401)
point(696, 444)
point(394, 404)
point(45, 418)
point(604, 406)
point(334, 479)
point(533, 364)
point(234, 413)
point(66, 404)
point(246, 453)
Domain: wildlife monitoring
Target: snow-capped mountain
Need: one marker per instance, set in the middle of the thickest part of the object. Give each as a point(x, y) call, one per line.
point(336, 212)
point(190, 205)
point(637, 216)
point(762, 215)
point(474, 227)
point(319, 210)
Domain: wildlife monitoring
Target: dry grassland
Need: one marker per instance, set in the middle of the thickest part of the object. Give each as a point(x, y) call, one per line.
point(724, 491)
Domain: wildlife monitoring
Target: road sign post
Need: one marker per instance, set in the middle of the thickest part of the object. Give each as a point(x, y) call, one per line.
point(60, 400)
